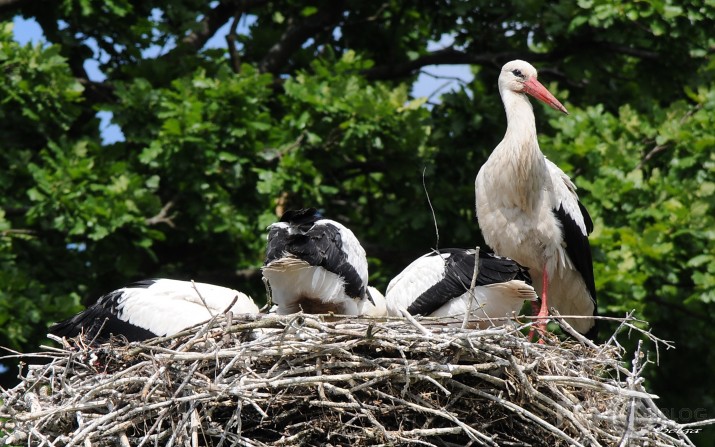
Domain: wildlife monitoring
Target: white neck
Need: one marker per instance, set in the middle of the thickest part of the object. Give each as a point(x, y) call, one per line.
point(519, 153)
point(521, 125)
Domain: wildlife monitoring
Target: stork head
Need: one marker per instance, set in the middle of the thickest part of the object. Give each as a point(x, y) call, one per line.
point(521, 77)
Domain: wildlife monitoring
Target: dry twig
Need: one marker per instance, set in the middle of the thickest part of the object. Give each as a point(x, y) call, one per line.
point(299, 380)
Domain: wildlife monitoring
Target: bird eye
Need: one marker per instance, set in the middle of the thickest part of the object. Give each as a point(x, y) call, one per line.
point(518, 73)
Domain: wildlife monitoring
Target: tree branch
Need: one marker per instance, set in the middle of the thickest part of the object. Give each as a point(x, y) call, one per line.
point(6, 5)
point(446, 56)
point(630, 51)
point(658, 148)
point(231, 44)
point(450, 56)
point(681, 309)
point(297, 32)
point(97, 92)
point(163, 216)
point(214, 20)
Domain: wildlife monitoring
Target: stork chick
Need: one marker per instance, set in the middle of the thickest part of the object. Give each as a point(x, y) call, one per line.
point(153, 307)
point(315, 265)
point(438, 285)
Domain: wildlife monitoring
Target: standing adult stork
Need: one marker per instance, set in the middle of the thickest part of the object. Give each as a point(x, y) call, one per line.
point(316, 265)
point(438, 285)
point(153, 307)
point(528, 209)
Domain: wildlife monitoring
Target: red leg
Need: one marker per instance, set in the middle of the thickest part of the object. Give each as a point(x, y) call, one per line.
point(542, 311)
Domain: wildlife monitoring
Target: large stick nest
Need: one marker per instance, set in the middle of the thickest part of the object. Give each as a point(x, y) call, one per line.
point(302, 380)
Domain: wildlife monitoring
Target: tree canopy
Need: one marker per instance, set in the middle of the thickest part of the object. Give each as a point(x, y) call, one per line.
point(309, 104)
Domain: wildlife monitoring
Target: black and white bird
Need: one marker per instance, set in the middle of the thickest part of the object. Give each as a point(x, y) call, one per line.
point(316, 265)
point(153, 307)
point(438, 285)
point(376, 306)
point(528, 209)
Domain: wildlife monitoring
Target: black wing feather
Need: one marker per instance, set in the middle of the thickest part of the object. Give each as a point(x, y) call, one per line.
point(578, 247)
point(100, 321)
point(458, 274)
point(495, 269)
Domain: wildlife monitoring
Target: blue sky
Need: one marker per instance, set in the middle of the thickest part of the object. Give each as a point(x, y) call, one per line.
point(433, 81)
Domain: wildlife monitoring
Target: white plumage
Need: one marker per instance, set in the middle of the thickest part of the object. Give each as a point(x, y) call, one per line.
point(528, 209)
point(376, 308)
point(154, 307)
point(315, 265)
point(437, 285)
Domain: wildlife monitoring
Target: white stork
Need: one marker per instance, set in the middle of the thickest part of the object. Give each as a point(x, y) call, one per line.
point(528, 209)
point(437, 285)
point(316, 265)
point(153, 307)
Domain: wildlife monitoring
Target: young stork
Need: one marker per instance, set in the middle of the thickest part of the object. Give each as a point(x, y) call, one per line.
point(153, 307)
point(437, 285)
point(528, 209)
point(316, 265)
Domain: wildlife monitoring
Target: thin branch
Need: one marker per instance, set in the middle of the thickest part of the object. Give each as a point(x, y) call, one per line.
point(434, 217)
point(231, 43)
point(472, 286)
point(211, 23)
point(98, 92)
point(657, 149)
point(444, 77)
point(17, 231)
point(163, 216)
point(214, 20)
point(451, 56)
point(630, 51)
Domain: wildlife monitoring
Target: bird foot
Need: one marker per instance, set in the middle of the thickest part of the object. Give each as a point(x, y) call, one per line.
point(539, 326)
point(541, 330)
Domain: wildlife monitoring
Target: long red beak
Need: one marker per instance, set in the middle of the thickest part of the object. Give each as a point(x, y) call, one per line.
point(538, 91)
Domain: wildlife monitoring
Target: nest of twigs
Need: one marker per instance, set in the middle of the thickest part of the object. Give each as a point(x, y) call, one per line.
point(302, 380)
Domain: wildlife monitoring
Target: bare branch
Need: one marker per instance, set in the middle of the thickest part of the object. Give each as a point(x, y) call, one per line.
point(630, 51)
point(297, 32)
point(214, 20)
point(451, 56)
point(445, 56)
point(97, 92)
point(163, 216)
point(231, 44)
point(658, 148)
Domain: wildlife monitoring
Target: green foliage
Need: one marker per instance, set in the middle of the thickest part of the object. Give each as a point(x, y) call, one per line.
point(198, 141)
point(352, 147)
point(38, 103)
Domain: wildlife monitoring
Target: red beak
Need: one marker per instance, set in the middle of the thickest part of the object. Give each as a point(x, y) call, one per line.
point(538, 91)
